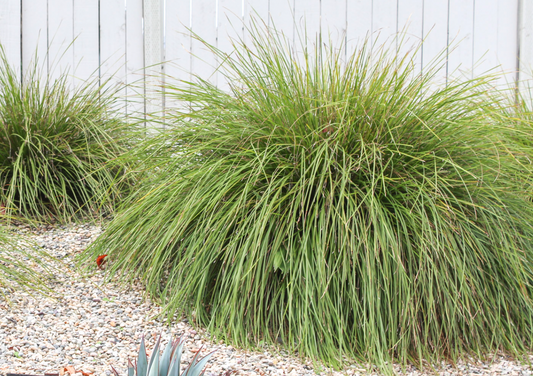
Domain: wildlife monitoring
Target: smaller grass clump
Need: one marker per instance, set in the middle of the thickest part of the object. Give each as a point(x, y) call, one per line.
point(345, 208)
point(58, 146)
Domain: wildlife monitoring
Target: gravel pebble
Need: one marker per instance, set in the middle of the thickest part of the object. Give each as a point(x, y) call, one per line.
point(93, 326)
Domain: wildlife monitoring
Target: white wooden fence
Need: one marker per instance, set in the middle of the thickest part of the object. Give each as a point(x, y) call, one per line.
point(131, 38)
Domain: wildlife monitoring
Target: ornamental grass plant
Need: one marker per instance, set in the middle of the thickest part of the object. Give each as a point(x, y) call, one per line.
point(58, 145)
point(346, 208)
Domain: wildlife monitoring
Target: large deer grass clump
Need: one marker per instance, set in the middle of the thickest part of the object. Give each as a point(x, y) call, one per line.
point(342, 208)
point(58, 145)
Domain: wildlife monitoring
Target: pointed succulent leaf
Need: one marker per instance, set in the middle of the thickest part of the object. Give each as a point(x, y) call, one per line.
point(154, 367)
point(131, 368)
point(175, 364)
point(197, 366)
point(153, 357)
point(164, 363)
point(174, 369)
point(142, 363)
point(193, 361)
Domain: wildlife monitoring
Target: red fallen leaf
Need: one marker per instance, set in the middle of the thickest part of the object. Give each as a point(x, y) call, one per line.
point(328, 129)
point(86, 373)
point(70, 369)
point(100, 260)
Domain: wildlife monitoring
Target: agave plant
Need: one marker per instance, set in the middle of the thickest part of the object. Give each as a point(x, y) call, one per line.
point(169, 363)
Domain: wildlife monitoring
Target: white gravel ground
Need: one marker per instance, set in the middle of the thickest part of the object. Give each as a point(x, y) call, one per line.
point(92, 326)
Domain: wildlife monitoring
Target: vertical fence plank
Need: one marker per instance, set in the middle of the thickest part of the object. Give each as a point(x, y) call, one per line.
point(461, 37)
point(435, 38)
point(134, 90)
point(255, 12)
point(178, 48)
point(485, 34)
point(10, 33)
point(410, 30)
point(506, 51)
point(85, 47)
point(255, 9)
point(230, 25)
point(178, 41)
point(153, 54)
point(307, 18)
point(526, 48)
point(113, 43)
point(256, 15)
point(282, 17)
point(204, 25)
point(358, 23)
point(60, 37)
point(307, 28)
point(35, 35)
point(333, 25)
point(384, 20)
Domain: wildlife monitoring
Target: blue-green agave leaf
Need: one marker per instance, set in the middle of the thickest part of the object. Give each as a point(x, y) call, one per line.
point(175, 364)
point(154, 368)
point(131, 369)
point(154, 360)
point(197, 366)
point(164, 363)
point(142, 362)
